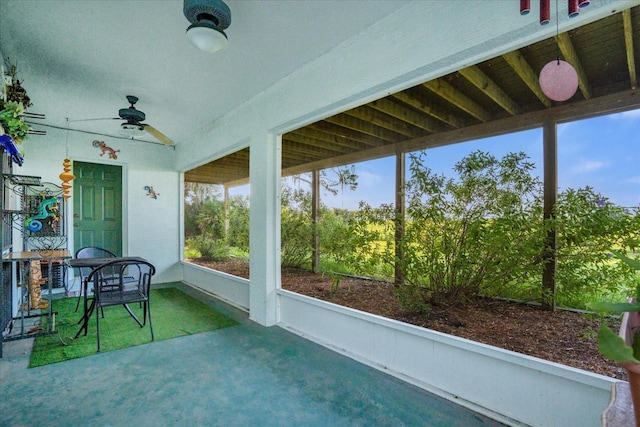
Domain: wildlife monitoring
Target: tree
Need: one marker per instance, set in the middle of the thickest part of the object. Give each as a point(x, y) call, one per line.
point(343, 177)
point(211, 219)
point(195, 194)
point(238, 234)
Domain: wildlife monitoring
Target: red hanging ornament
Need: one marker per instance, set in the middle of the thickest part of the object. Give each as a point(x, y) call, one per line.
point(545, 12)
point(574, 9)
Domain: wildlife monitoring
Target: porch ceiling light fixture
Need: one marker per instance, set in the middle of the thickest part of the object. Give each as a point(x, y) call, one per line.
point(132, 130)
point(209, 19)
point(558, 79)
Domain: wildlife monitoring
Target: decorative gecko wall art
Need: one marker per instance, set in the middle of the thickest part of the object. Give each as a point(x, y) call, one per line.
point(106, 149)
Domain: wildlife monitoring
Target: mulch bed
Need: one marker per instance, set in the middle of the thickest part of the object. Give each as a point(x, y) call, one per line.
point(562, 336)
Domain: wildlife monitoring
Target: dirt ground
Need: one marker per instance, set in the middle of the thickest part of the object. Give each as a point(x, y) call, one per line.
point(562, 336)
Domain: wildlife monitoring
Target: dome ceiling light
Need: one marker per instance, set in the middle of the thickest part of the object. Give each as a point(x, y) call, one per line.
point(209, 19)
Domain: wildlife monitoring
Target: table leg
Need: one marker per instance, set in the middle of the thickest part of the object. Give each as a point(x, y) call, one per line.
point(88, 310)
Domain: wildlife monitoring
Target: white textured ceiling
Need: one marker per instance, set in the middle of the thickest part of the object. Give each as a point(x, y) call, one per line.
point(78, 59)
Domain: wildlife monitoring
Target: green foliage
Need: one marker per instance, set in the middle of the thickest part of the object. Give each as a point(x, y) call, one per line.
point(215, 249)
point(611, 345)
point(335, 284)
point(344, 177)
point(588, 227)
point(353, 242)
point(190, 225)
point(482, 233)
point(195, 194)
point(473, 235)
point(190, 252)
point(11, 121)
point(211, 218)
point(205, 223)
point(238, 234)
point(296, 227)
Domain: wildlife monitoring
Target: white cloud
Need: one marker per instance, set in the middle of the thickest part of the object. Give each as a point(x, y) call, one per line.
point(632, 114)
point(633, 180)
point(587, 166)
point(368, 179)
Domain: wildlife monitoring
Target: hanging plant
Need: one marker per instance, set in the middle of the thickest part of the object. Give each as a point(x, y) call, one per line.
point(11, 121)
point(13, 129)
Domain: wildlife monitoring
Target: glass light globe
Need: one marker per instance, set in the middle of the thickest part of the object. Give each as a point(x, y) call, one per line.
point(206, 37)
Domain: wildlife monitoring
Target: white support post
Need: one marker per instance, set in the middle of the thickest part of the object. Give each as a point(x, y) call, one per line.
point(264, 228)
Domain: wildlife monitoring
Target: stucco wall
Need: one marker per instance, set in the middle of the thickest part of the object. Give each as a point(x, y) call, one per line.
point(151, 227)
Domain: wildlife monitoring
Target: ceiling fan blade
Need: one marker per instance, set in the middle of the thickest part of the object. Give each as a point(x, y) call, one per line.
point(157, 134)
point(94, 120)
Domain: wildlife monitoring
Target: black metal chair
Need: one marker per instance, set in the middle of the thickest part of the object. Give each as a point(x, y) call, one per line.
point(121, 282)
point(89, 252)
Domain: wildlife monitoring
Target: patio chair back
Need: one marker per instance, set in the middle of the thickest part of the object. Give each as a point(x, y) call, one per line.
point(122, 282)
point(89, 252)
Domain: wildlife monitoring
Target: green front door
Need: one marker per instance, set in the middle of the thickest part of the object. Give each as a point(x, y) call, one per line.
point(97, 206)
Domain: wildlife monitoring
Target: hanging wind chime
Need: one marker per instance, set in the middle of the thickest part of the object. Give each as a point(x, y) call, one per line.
point(558, 79)
point(66, 176)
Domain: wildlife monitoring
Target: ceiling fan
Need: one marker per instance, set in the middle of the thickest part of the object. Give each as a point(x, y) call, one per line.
point(133, 126)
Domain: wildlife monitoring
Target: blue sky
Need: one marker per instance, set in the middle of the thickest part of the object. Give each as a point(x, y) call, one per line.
point(603, 152)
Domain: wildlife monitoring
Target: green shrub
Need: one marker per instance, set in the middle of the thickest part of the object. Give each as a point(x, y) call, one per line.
point(238, 233)
point(474, 235)
point(588, 227)
point(296, 227)
point(215, 249)
point(211, 219)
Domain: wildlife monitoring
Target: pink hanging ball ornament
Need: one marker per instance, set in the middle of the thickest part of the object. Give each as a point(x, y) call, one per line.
point(558, 80)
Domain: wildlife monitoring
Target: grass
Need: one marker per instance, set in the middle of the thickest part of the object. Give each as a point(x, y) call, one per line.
point(174, 314)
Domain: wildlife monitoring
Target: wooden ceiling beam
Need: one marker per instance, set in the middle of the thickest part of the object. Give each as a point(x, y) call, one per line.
point(219, 175)
point(308, 146)
point(520, 65)
point(628, 43)
point(405, 114)
point(344, 132)
point(457, 98)
point(385, 121)
point(571, 56)
point(215, 178)
point(332, 140)
point(480, 80)
point(316, 144)
point(223, 162)
point(430, 108)
point(219, 171)
point(293, 156)
point(365, 127)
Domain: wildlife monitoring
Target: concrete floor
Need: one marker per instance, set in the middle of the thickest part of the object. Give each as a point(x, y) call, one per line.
point(244, 375)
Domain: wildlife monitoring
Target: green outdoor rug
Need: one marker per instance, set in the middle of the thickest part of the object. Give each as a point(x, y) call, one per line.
point(174, 314)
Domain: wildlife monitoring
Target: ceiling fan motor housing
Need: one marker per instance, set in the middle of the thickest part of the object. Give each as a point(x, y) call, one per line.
point(131, 115)
point(215, 11)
